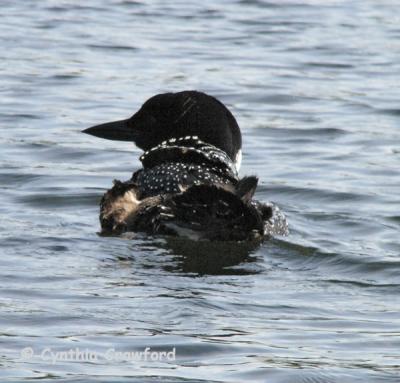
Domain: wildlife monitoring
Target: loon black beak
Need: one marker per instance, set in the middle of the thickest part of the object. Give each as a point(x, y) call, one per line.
point(116, 130)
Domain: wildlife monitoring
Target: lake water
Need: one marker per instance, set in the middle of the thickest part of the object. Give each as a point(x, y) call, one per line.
point(315, 88)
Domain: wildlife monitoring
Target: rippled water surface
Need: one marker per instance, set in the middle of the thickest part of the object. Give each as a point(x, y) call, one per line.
point(314, 86)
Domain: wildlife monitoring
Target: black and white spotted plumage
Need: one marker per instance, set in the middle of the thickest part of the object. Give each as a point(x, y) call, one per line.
point(176, 164)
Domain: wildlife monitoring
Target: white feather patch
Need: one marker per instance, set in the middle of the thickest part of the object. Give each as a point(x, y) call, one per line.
point(238, 160)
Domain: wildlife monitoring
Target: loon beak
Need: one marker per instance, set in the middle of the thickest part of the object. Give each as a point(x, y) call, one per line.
point(116, 130)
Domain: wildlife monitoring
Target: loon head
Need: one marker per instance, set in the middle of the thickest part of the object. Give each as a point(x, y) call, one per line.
point(175, 115)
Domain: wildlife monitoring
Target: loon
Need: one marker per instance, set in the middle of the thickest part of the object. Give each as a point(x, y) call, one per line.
point(189, 184)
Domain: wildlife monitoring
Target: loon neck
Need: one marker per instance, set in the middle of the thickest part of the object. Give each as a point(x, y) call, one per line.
point(190, 149)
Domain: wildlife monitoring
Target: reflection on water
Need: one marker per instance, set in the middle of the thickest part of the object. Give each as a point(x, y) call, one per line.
point(192, 258)
point(314, 87)
point(213, 258)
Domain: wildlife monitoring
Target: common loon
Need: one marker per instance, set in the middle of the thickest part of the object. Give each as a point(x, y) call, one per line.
point(189, 184)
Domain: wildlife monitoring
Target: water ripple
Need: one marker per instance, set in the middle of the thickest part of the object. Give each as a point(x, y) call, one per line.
point(314, 87)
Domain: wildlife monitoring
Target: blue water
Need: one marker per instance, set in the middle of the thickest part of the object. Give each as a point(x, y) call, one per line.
point(315, 88)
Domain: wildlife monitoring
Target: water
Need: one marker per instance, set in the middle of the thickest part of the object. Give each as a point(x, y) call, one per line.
point(315, 88)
